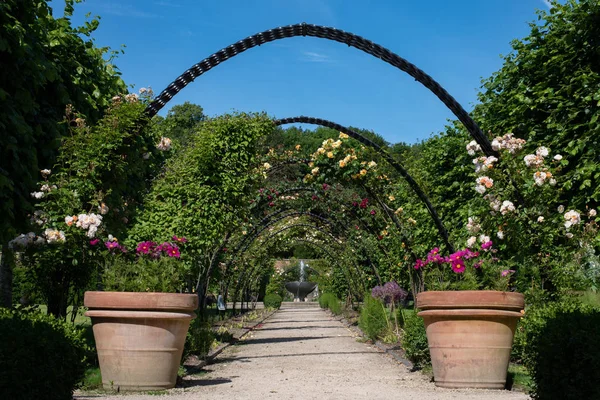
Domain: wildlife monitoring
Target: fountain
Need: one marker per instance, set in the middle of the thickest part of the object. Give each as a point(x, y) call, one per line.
point(300, 289)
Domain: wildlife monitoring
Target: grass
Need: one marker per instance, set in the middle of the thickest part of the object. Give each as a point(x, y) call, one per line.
point(92, 379)
point(520, 377)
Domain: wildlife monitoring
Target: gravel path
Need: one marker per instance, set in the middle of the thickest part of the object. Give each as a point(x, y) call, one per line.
point(303, 353)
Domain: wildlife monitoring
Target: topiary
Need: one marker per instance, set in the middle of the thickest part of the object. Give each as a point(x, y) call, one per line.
point(373, 319)
point(272, 300)
point(560, 345)
point(40, 357)
point(414, 339)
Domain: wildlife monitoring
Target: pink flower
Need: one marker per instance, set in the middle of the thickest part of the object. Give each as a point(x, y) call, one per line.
point(373, 212)
point(363, 203)
point(271, 204)
point(179, 239)
point(419, 264)
point(315, 197)
point(325, 186)
point(434, 256)
point(95, 241)
point(354, 204)
point(478, 264)
point(486, 245)
point(145, 247)
point(111, 245)
point(458, 266)
point(172, 251)
point(507, 272)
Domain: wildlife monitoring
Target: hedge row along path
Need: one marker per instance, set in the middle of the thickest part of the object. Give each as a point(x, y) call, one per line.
point(301, 352)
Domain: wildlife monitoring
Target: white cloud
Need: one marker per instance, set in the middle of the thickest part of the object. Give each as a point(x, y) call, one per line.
point(311, 56)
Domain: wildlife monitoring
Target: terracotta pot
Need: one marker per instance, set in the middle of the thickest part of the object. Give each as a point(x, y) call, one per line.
point(470, 335)
point(140, 337)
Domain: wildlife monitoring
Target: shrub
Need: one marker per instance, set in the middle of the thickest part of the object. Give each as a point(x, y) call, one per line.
point(324, 299)
point(272, 300)
point(373, 318)
point(199, 339)
point(40, 357)
point(330, 301)
point(560, 345)
point(414, 339)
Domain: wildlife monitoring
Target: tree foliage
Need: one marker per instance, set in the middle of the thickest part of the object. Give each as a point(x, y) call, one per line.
point(46, 64)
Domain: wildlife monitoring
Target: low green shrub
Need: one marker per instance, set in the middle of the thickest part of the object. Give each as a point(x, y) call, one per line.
point(330, 301)
point(373, 320)
point(272, 300)
point(335, 306)
point(40, 357)
point(325, 298)
point(199, 339)
point(559, 345)
point(414, 339)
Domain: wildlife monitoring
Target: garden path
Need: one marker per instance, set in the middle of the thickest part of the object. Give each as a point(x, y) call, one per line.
point(301, 352)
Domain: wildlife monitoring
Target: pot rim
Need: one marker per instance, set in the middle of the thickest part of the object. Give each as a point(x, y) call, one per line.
point(471, 299)
point(140, 301)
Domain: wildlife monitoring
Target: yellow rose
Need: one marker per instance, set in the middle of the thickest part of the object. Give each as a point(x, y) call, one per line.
point(342, 163)
point(329, 154)
point(298, 147)
point(315, 170)
point(363, 172)
point(343, 135)
point(391, 197)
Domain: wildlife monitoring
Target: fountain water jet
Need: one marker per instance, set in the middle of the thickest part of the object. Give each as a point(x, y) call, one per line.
point(300, 289)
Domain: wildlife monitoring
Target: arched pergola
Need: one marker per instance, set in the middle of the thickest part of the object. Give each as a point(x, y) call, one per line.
point(390, 160)
point(329, 33)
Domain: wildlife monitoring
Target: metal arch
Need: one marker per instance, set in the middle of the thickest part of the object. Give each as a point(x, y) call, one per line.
point(329, 33)
point(395, 164)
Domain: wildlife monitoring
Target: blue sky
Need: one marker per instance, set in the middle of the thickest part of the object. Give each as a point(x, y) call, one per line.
point(456, 42)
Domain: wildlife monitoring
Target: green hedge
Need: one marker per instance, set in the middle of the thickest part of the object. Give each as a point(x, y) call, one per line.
point(414, 339)
point(373, 320)
point(560, 345)
point(272, 300)
point(40, 357)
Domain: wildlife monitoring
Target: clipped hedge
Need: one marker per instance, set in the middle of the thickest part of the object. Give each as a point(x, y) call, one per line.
point(40, 357)
point(560, 348)
point(414, 339)
point(373, 320)
point(272, 300)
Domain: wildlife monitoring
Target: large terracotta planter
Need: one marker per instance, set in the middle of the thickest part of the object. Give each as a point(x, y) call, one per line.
point(140, 337)
point(470, 335)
